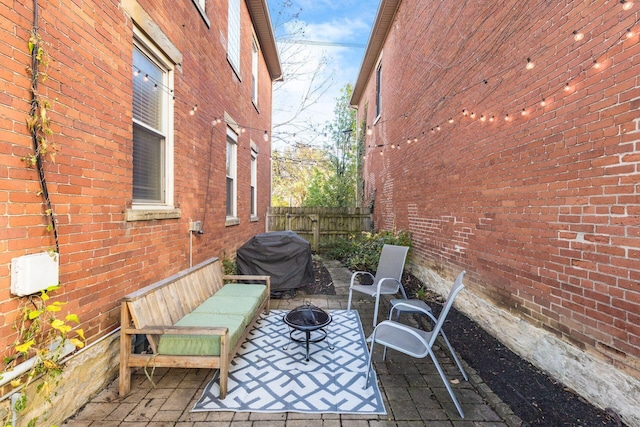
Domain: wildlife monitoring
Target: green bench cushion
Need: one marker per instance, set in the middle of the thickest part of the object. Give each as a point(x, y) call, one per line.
point(202, 345)
point(242, 306)
point(243, 290)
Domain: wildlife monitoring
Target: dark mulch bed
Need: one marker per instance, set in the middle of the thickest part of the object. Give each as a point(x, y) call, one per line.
point(322, 281)
point(532, 395)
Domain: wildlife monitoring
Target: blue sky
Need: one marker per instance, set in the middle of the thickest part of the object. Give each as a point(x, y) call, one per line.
point(331, 27)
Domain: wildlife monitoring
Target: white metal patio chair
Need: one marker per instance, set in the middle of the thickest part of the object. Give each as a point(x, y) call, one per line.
point(413, 341)
point(421, 308)
point(387, 280)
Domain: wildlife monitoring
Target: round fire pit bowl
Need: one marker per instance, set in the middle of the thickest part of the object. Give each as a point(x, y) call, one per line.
point(307, 318)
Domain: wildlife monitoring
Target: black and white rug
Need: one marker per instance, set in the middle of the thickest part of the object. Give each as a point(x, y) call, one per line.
point(270, 374)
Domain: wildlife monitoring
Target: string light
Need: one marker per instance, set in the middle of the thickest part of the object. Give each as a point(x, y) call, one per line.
point(530, 64)
point(241, 129)
point(544, 102)
point(146, 77)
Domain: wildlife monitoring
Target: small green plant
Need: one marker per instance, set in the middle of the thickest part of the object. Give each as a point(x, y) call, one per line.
point(362, 251)
point(42, 337)
point(229, 266)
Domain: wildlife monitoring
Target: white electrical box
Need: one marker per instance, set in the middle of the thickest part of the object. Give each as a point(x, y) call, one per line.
point(31, 274)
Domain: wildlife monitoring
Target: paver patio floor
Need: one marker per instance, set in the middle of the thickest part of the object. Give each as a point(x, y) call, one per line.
point(413, 392)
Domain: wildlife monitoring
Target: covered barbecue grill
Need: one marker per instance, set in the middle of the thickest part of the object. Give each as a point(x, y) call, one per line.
point(283, 255)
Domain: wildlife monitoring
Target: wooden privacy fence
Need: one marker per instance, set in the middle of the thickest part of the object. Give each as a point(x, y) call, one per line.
point(318, 225)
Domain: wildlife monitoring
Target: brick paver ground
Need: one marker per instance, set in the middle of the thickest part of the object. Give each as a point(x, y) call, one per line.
point(412, 390)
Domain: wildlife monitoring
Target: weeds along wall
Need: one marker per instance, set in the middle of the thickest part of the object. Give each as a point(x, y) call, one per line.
point(508, 144)
point(108, 248)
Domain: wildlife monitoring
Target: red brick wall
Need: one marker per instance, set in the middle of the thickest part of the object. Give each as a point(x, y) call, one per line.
point(104, 257)
point(541, 209)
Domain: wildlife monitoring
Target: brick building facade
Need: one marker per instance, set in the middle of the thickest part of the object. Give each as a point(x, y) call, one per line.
point(505, 136)
point(147, 97)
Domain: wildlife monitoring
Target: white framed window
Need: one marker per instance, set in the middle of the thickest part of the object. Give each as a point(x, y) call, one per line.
point(254, 182)
point(232, 184)
point(254, 71)
point(201, 5)
point(233, 35)
point(152, 126)
point(379, 89)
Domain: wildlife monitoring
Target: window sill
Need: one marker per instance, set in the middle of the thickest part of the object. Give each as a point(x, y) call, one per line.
point(230, 221)
point(151, 214)
point(255, 218)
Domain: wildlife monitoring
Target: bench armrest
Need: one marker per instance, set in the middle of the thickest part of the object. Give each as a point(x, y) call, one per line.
point(246, 277)
point(178, 330)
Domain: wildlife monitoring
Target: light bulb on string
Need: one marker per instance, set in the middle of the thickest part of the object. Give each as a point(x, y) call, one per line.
point(472, 115)
point(523, 112)
point(483, 118)
point(451, 120)
point(596, 64)
point(543, 103)
point(506, 118)
point(577, 35)
point(530, 64)
point(137, 72)
point(464, 112)
point(265, 136)
point(492, 118)
point(567, 87)
point(146, 77)
point(369, 130)
point(629, 33)
point(626, 4)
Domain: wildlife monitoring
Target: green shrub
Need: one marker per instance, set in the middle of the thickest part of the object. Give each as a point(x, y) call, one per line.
point(229, 266)
point(361, 252)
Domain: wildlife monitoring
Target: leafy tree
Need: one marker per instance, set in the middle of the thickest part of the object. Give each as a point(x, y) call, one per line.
point(337, 188)
point(293, 170)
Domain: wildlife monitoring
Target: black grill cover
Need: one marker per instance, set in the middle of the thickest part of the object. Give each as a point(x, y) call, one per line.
point(283, 255)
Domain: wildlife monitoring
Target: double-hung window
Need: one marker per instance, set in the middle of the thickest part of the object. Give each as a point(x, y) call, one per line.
point(379, 89)
point(232, 185)
point(254, 182)
point(233, 35)
point(152, 127)
point(254, 71)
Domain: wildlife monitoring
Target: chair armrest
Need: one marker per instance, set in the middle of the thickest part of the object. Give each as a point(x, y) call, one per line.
point(410, 307)
point(356, 273)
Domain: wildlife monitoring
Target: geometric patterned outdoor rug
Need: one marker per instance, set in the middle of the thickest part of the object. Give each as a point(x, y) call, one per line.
point(270, 374)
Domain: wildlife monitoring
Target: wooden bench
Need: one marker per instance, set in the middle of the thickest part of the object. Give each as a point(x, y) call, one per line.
point(155, 310)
